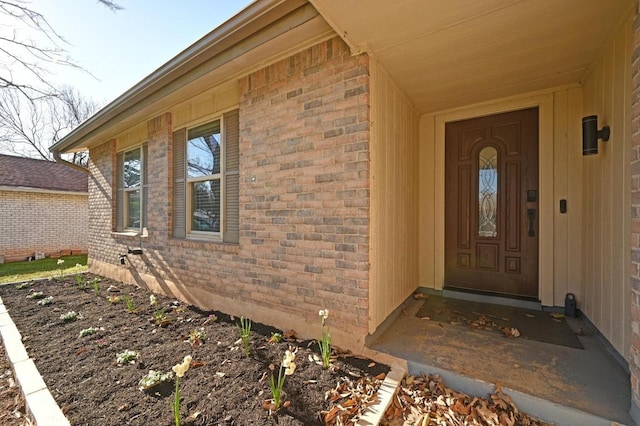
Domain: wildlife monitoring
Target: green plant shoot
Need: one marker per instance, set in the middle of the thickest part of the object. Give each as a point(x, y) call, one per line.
point(78, 279)
point(245, 333)
point(60, 263)
point(287, 368)
point(325, 339)
point(131, 307)
point(180, 370)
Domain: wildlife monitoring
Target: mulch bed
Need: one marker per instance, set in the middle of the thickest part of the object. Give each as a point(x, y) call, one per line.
point(12, 408)
point(224, 387)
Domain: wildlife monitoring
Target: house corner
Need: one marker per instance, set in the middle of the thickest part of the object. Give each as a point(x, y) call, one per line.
point(634, 350)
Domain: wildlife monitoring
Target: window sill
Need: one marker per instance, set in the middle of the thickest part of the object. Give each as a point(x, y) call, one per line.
point(205, 244)
point(136, 234)
point(204, 238)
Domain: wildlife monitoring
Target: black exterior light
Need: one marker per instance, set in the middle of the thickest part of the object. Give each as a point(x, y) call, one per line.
point(591, 134)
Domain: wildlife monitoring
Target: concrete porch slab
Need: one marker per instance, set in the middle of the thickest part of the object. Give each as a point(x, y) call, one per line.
point(555, 383)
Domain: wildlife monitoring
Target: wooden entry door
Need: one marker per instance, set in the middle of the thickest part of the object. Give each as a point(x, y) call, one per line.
point(491, 204)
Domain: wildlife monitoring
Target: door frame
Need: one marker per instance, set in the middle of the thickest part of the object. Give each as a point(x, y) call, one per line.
point(544, 102)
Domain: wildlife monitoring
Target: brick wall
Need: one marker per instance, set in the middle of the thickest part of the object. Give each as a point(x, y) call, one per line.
point(304, 203)
point(101, 214)
point(634, 352)
point(33, 222)
point(305, 194)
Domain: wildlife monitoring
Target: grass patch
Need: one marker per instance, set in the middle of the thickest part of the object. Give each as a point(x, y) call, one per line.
point(43, 268)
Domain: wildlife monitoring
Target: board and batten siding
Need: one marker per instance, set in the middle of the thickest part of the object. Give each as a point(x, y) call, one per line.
point(607, 188)
point(567, 185)
point(394, 197)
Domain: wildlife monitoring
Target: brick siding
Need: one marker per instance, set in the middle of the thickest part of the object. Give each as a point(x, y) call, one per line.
point(102, 216)
point(304, 203)
point(32, 222)
point(634, 351)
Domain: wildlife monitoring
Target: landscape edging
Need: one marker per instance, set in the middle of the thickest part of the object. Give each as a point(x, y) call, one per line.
point(373, 414)
point(39, 402)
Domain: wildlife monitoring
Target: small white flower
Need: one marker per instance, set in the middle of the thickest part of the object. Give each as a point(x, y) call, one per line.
point(288, 364)
point(324, 313)
point(153, 299)
point(182, 368)
point(288, 357)
point(60, 261)
point(288, 371)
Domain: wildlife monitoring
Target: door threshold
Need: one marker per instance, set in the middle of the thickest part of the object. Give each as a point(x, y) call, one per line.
point(481, 297)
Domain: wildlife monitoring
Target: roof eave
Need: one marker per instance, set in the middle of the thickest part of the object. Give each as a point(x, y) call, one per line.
point(263, 12)
point(42, 190)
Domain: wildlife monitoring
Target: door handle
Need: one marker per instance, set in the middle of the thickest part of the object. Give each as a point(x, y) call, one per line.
point(531, 217)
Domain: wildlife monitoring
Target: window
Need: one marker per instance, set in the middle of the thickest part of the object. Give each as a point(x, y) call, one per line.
point(131, 196)
point(203, 177)
point(132, 188)
point(206, 180)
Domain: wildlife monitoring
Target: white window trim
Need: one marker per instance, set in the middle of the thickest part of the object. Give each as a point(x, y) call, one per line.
point(206, 235)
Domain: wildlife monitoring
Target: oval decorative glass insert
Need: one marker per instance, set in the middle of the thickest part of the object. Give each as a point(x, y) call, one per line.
point(488, 192)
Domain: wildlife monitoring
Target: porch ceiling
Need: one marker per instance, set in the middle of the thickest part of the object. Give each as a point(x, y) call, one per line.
point(446, 54)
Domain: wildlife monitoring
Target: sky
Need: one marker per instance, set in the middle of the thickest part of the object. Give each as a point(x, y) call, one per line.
point(121, 48)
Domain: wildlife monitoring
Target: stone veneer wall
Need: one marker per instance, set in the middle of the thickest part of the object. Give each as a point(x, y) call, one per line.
point(304, 203)
point(44, 222)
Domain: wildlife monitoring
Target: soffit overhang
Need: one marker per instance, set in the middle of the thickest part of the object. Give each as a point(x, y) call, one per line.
point(447, 54)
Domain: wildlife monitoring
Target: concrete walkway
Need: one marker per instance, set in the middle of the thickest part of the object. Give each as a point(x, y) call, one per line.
point(560, 384)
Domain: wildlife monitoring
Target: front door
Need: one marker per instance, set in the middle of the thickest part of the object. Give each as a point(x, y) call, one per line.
point(491, 204)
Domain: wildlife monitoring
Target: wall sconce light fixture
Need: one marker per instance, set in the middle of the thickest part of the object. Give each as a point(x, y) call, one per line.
point(591, 134)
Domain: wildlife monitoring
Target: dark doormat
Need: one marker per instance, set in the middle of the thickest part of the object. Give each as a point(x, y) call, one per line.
point(514, 322)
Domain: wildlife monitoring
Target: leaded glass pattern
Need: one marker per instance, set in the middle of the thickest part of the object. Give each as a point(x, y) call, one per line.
point(488, 192)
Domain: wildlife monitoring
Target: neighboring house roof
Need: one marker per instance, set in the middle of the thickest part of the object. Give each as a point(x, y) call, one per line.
point(40, 174)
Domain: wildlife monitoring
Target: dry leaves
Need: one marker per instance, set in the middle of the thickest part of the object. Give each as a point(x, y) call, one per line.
point(485, 322)
point(197, 364)
point(350, 398)
point(511, 332)
point(289, 336)
point(425, 401)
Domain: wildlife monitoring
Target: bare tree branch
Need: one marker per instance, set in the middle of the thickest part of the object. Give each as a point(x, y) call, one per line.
point(111, 5)
point(34, 113)
point(24, 62)
point(28, 128)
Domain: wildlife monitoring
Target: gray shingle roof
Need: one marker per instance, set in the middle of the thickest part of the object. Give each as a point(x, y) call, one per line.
point(40, 174)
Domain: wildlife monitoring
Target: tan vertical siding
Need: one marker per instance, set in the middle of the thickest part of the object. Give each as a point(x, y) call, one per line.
point(567, 183)
point(426, 204)
point(394, 197)
point(606, 185)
